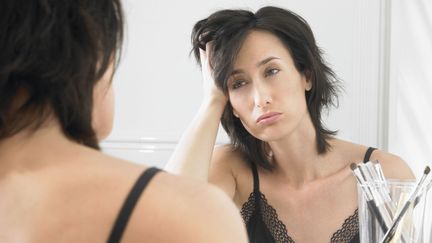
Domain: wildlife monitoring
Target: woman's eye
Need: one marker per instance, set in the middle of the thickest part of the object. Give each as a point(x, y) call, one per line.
point(237, 84)
point(271, 72)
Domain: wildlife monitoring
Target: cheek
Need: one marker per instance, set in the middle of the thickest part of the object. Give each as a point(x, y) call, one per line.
point(238, 104)
point(109, 104)
point(242, 109)
point(103, 113)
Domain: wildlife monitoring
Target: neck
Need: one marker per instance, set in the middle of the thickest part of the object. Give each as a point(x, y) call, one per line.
point(297, 160)
point(27, 149)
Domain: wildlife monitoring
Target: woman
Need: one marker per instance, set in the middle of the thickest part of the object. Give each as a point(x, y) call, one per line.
point(56, 66)
point(287, 173)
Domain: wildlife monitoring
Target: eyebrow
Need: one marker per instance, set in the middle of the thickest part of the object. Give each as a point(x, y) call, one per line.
point(260, 63)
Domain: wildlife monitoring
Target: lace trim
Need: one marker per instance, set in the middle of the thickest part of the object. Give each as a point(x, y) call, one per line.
point(349, 229)
point(248, 208)
point(278, 229)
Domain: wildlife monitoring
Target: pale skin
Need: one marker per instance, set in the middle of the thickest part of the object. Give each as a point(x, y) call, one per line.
point(55, 190)
point(308, 190)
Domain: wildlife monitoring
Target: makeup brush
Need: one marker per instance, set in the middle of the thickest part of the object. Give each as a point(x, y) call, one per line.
point(370, 176)
point(384, 190)
point(372, 205)
point(414, 194)
point(379, 170)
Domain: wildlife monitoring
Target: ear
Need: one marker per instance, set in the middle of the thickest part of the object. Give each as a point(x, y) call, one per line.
point(308, 85)
point(235, 113)
point(308, 82)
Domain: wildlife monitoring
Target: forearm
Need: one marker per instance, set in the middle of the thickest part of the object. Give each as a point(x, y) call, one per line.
point(193, 153)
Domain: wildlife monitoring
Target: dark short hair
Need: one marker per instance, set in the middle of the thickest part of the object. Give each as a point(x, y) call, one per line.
point(56, 50)
point(227, 29)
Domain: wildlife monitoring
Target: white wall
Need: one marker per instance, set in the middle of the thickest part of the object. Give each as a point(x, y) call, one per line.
point(411, 82)
point(158, 86)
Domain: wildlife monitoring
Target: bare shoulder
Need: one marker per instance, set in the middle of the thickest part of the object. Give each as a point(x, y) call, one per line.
point(393, 166)
point(226, 156)
point(176, 209)
point(229, 170)
point(224, 152)
point(87, 190)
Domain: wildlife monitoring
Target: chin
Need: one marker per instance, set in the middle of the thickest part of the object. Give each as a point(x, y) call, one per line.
point(272, 134)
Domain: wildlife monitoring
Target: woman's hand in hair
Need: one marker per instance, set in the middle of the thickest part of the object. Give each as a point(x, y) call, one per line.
point(211, 92)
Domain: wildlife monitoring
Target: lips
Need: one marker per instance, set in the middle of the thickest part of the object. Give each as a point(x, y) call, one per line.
point(268, 117)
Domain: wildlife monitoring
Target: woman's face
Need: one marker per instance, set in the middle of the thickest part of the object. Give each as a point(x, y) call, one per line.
point(103, 105)
point(265, 89)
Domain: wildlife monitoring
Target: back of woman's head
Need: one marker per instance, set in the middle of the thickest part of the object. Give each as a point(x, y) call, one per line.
point(54, 52)
point(228, 29)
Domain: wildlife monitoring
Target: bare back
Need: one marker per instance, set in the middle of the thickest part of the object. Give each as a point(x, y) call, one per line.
point(66, 192)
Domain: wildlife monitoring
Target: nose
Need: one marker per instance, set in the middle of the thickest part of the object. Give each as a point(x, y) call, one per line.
point(262, 96)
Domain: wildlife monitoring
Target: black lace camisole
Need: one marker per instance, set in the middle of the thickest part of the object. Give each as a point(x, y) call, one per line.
point(263, 225)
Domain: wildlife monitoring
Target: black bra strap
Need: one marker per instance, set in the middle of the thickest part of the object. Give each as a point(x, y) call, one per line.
point(129, 204)
point(255, 177)
point(256, 191)
point(368, 154)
